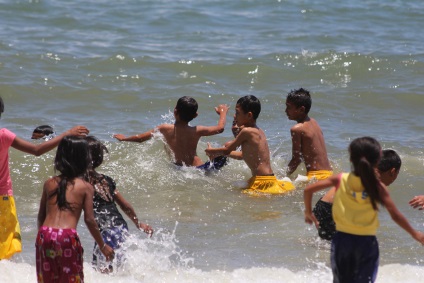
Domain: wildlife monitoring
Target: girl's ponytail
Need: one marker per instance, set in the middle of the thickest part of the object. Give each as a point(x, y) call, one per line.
point(365, 154)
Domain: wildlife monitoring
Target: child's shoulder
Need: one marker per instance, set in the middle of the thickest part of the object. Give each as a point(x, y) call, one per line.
point(165, 126)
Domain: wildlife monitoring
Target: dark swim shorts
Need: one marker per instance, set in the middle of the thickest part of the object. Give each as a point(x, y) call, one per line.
point(216, 164)
point(323, 213)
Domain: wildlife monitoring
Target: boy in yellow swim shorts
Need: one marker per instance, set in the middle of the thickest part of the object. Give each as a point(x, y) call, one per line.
point(10, 235)
point(308, 142)
point(254, 150)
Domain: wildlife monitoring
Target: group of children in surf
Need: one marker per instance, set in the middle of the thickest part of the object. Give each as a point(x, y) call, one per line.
point(347, 214)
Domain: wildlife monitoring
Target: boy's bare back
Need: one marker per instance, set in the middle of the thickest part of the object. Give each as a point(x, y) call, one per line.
point(79, 195)
point(309, 145)
point(182, 140)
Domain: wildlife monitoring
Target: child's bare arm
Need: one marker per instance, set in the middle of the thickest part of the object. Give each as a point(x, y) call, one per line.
point(129, 211)
point(221, 110)
point(310, 190)
point(39, 149)
point(296, 151)
point(229, 147)
point(398, 217)
point(92, 225)
point(136, 138)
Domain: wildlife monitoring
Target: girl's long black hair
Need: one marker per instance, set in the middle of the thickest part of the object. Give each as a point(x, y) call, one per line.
point(72, 161)
point(365, 153)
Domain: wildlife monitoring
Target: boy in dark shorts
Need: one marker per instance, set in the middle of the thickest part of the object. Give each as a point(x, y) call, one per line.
point(181, 138)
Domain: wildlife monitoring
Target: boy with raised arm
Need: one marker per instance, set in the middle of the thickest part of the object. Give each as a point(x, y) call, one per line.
point(254, 150)
point(307, 138)
point(180, 137)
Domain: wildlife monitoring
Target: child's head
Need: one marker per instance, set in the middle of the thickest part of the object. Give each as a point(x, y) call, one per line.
point(186, 108)
point(42, 131)
point(72, 161)
point(97, 150)
point(250, 103)
point(298, 100)
point(365, 153)
point(389, 166)
point(1, 106)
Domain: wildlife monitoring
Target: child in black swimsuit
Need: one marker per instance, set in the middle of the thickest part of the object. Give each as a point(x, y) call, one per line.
point(112, 225)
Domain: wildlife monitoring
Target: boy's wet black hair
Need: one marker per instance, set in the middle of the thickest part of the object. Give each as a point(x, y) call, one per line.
point(1, 106)
point(389, 159)
point(187, 108)
point(300, 97)
point(250, 103)
point(44, 129)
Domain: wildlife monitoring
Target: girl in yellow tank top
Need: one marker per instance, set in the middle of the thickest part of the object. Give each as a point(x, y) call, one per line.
point(354, 248)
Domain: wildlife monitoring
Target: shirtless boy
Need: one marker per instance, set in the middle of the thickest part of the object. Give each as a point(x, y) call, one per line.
point(254, 149)
point(307, 138)
point(180, 137)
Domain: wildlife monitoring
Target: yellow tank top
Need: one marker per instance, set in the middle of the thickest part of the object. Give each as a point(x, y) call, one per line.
point(352, 209)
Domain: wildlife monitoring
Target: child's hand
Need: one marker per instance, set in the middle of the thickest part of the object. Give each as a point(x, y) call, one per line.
point(222, 108)
point(419, 237)
point(209, 153)
point(146, 228)
point(417, 202)
point(119, 137)
point(310, 219)
point(78, 131)
point(108, 252)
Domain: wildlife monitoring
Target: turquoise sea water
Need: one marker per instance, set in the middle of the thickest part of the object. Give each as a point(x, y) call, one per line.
point(120, 66)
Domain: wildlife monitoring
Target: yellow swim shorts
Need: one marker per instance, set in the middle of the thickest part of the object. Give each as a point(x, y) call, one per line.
point(267, 185)
point(10, 232)
point(319, 175)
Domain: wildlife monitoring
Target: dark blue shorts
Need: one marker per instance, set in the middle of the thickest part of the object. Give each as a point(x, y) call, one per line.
point(216, 164)
point(114, 237)
point(354, 259)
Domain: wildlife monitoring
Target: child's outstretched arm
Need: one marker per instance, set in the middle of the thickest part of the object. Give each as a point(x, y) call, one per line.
point(222, 111)
point(137, 138)
point(398, 217)
point(39, 149)
point(92, 225)
point(310, 190)
point(129, 211)
point(417, 202)
point(230, 147)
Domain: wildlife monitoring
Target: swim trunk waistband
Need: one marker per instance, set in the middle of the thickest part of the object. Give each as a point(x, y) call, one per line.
point(51, 229)
point(319, 174)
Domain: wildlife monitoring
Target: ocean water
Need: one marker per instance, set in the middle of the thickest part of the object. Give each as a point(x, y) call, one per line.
point(120, 66)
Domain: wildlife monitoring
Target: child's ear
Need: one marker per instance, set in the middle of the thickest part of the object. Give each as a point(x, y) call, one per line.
point(302, 108)
point(249, 114)
point(393, 172)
